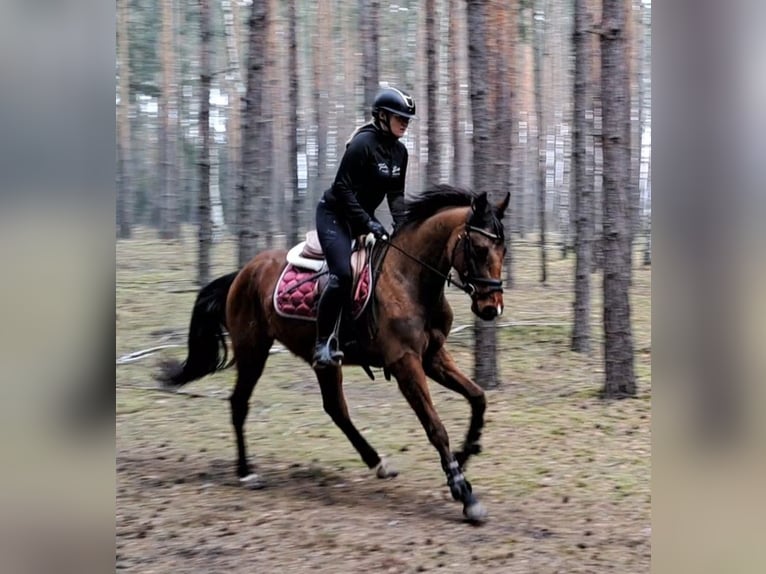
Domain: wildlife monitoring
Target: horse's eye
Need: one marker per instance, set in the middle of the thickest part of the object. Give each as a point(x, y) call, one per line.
point(481, 252)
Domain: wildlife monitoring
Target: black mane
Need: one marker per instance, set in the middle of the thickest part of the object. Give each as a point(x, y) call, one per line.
point(435, 199)
point(445, 196)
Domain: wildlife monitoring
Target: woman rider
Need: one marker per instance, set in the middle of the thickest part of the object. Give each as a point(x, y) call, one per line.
point(374, 165)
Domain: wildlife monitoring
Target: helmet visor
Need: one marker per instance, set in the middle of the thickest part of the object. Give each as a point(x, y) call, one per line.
point(403, 115)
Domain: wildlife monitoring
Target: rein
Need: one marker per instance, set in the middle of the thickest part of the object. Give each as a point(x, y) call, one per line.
point(447, 278)
point(467, 282)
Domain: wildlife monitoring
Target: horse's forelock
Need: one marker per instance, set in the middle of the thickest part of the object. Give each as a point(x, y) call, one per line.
point(487, 219)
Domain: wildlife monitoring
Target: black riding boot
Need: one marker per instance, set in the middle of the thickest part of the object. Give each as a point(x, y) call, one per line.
point(327, 351)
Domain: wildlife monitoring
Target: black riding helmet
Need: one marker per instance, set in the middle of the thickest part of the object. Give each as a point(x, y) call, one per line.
point(394, 101)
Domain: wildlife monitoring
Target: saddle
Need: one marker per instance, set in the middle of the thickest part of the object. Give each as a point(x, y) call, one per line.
point(305, 274)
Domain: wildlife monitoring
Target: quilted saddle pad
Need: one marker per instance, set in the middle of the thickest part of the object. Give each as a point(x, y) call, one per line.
point(298, 291)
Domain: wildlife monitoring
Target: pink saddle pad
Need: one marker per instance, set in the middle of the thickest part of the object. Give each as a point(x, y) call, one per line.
point(297, 294)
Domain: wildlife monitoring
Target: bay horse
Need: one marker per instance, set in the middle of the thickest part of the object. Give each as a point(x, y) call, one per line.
point(445, 228)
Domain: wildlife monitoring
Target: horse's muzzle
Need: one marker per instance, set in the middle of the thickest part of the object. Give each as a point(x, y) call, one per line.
point(489, 310)
point(488, 313)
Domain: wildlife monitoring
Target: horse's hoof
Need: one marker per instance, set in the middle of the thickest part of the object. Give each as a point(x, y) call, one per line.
point(166, 386)
point(385, 469)
point(475, 513)
point(252, 481)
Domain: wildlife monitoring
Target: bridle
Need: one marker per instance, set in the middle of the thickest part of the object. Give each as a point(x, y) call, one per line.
point(469, 280)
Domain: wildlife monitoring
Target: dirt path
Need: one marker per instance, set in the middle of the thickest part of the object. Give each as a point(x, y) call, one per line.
point(571, 502)
point(564, 475)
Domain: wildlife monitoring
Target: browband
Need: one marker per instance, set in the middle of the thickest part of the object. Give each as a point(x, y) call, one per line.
point(484, 232)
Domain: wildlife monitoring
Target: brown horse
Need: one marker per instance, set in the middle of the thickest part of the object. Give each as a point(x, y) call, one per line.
point(403, 330)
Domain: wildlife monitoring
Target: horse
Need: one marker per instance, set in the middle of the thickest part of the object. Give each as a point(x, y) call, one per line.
point(403, 330)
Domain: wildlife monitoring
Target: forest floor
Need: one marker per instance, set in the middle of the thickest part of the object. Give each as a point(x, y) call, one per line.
point(564, 475)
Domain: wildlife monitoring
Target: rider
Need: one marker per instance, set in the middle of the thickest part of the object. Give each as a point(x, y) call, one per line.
point(374, 165)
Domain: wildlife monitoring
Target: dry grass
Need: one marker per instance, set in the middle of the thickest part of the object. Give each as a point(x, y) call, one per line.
point(564, 475)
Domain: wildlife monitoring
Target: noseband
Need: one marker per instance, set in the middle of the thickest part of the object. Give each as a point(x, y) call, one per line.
point(469, 277)
point(468, 280)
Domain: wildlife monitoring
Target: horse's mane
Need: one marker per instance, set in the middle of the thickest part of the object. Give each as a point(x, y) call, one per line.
point(435, 199)
point(445, 196)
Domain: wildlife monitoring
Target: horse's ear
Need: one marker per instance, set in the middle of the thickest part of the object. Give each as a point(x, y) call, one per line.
point(479, 203)
point(503, 205)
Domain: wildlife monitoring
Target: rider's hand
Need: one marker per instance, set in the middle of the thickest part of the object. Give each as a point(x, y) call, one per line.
point(377, 229)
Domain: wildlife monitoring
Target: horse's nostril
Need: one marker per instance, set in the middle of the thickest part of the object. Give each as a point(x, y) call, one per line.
point(489, 313)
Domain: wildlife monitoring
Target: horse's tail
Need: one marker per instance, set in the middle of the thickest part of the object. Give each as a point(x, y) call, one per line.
point(207, 345)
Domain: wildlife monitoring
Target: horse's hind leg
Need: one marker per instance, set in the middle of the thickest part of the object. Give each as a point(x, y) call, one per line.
point(250, 363)
point(441, 367)
point(412, 382)
point(334, 402)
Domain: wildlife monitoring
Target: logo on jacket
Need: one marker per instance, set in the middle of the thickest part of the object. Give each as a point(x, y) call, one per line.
point(385, 171)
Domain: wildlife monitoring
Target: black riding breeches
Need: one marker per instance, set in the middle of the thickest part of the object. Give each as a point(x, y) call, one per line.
point(335, 238)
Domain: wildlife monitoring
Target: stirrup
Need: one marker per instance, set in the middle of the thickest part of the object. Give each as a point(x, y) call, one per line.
point(327, 355)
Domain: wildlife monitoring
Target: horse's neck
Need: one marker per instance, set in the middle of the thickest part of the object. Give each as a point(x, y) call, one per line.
point(432, 243)
point(437, 236)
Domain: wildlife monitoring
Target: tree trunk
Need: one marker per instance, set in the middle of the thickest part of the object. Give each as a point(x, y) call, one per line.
point(504, 142)
point(272, 218)
point(432, 119)
point(184, 179)
point(562, 196)
point(541, 144)
point(523, 117)
point(456, 124)
point(125, 192)
point(615, 100)
point(524, 146)
point(235, 87)
point(168, 109)
point(296, 209)
point(323, 64)
point(346, 117)
point(516, 148)
point(205, 224)
point(485, 356)
point(582, 186)
point(216, 202)
point(369, 29)
point(648, 224)
point(254, 186)
point(596, 159)
point(633, 41)
point(643, 37)
point(415, 173)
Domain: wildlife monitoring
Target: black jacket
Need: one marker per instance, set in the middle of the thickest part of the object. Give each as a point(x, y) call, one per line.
point(374, 166)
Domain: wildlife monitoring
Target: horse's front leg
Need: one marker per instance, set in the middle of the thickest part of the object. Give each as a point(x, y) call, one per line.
point(412, 382)
point(334, 401)
point(441, 367)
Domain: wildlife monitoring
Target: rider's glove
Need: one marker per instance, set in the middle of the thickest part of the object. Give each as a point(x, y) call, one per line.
point(377, 229)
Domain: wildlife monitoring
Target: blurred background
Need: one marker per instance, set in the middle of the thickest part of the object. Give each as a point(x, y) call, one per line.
point(232, 116)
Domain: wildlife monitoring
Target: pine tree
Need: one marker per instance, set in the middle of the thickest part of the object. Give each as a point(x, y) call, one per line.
point(615, 97)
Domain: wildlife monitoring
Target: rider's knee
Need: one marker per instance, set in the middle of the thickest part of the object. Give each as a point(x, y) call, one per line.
point(339, 281)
